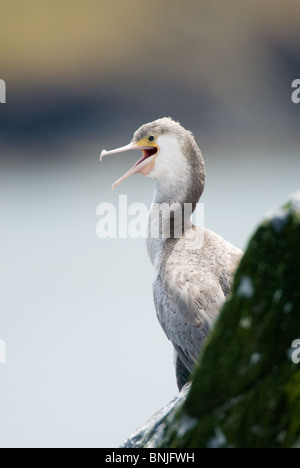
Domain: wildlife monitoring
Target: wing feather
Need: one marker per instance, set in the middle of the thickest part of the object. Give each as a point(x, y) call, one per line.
point(189, 292)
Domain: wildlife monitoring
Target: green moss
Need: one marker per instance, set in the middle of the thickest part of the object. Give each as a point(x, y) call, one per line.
point(246, 390)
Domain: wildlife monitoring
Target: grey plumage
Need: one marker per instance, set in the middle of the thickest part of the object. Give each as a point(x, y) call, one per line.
point(192, 283)
point(189, 292)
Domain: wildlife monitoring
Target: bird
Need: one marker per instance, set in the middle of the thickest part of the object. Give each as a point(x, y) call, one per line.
point(193, 271)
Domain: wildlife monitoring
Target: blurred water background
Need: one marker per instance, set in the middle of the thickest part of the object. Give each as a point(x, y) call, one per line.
point(87, 361)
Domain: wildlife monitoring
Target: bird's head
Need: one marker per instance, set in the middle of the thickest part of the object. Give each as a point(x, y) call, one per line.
point(170, 154)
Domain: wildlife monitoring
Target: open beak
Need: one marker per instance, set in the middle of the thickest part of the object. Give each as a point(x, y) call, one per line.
point(143, 166)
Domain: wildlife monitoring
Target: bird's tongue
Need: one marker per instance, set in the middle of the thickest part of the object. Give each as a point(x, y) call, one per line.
point(147, 153)
point(142, 166)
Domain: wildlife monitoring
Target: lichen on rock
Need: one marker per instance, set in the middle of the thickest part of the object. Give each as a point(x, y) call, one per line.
point(246, 389)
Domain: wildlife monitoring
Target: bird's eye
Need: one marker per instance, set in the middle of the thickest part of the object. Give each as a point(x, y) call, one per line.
point(151, 138)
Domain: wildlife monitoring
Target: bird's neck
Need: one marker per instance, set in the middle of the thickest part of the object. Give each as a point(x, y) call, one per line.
point(177, 190)
point(169, 217)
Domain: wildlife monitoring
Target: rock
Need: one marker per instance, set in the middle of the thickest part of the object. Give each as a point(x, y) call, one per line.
point(246, 388)
point(152, 432)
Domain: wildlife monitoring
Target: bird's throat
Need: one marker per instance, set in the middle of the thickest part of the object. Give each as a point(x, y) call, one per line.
point(169, 218)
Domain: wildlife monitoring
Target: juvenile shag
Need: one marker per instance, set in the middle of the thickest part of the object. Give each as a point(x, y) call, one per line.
point(194, 271)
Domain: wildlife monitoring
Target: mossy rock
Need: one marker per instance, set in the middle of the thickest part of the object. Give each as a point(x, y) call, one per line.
point(246, 388)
